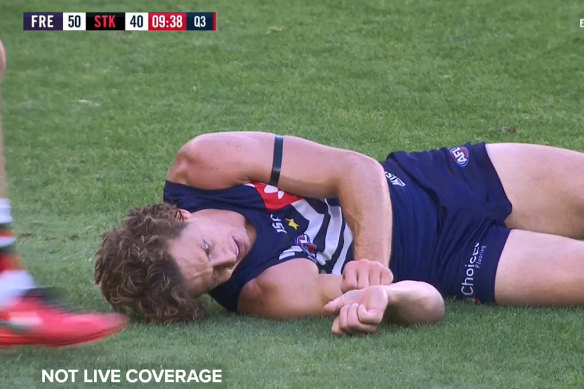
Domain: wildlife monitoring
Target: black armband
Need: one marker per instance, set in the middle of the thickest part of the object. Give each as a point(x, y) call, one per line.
point(277, 162)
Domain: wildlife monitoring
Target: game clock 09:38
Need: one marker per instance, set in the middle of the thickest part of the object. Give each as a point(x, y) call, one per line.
point(167, 21)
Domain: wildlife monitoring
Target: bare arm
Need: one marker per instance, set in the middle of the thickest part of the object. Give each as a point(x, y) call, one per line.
point(294, 289)
point(405, 302)
point(413, 302)
point(222, 160)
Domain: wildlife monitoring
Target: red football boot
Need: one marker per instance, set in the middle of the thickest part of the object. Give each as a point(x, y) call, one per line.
point(34, 320)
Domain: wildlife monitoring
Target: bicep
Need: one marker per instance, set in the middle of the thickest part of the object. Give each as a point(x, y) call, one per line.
point(222, 160)
point(293, 289)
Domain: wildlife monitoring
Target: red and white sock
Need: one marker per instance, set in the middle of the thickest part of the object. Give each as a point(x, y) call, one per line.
point(14, 280)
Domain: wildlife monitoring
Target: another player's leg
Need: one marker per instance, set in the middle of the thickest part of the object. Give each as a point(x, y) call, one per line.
point(13, 279)
point(540, 269)
point(544, 184)
point(26, 315)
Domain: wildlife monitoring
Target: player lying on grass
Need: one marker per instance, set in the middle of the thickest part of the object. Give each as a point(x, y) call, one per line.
point(489, 223)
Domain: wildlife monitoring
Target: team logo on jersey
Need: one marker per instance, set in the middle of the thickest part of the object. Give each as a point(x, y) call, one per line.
point(274, 199)
point(292, 224)
point(460, 155)
point(303, 241)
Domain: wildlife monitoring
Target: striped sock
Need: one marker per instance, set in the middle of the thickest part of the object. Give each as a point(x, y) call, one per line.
point(14, 280)
point(13, 284)
point(8, 259)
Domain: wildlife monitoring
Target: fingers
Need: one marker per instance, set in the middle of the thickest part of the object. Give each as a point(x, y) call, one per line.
point(372, 317)
point(380, 275)
point(363, 273)
point(386, 277)
point(358, 311)
point(335, 328)
point(334, 306)
point(354, 319)
point(357, 275)
point(349, 280)
point(375, 277)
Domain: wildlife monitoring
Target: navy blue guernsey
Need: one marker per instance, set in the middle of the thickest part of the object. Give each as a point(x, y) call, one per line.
point(287, 227)
point(448, 208)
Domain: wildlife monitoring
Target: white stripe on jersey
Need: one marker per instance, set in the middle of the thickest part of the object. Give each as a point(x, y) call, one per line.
point(333, 231)
point(291, 252)
point(348, 235)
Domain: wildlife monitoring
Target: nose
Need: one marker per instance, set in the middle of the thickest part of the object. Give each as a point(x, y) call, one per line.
point(223, 258)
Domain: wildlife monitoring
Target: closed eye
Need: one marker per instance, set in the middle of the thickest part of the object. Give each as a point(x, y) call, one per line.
point(207, 249)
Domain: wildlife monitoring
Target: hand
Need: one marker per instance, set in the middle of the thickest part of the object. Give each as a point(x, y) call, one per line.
point(362, 273)
point(359, 311)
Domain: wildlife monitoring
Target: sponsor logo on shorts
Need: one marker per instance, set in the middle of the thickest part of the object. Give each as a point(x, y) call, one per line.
point(472, 265)
point(303, 241)
point(395, 180)
point(460, 155)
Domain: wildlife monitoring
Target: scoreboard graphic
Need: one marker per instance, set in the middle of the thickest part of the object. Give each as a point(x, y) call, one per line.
point(120, 21)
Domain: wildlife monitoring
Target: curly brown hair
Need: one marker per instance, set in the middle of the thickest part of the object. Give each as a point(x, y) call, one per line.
point(137, 274)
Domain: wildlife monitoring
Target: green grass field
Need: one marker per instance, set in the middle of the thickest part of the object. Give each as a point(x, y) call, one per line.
point(92, 121)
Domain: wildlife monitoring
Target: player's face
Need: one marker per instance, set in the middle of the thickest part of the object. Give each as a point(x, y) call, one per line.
point(210, 247)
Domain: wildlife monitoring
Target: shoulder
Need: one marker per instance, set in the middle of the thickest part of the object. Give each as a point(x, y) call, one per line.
point(221, 160)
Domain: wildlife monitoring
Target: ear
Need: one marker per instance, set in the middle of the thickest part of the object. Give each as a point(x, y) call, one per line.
point(185, 214)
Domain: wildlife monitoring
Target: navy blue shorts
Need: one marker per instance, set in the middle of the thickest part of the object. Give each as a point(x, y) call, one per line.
point(449, 228)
